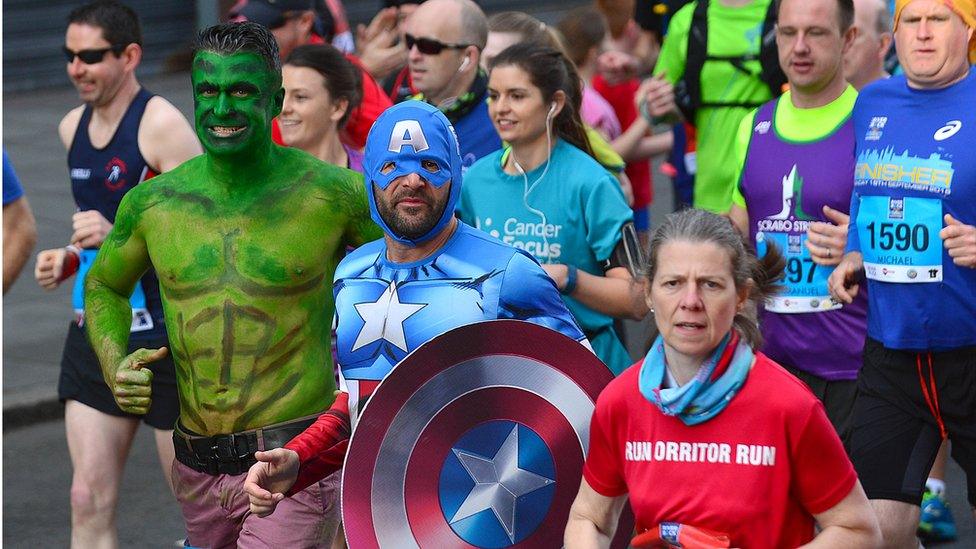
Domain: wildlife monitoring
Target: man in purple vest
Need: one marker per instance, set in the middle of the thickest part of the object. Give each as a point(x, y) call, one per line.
point(793, 192)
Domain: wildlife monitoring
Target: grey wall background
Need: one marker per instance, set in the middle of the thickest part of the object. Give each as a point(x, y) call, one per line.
point(33, 32)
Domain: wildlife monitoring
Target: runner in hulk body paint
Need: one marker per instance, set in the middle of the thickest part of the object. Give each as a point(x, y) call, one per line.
point(245, 240)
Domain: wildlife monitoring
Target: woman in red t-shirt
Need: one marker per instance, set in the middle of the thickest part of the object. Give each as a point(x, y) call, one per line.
point(714, 444)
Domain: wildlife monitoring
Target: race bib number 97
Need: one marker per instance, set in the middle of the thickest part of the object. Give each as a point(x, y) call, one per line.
point(900, 238)
point(805, 281)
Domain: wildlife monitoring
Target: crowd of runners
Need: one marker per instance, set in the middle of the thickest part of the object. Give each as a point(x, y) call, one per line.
point(242, 283)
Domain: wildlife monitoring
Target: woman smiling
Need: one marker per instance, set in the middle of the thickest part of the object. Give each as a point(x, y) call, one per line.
point(547, 195)
point(321, 90)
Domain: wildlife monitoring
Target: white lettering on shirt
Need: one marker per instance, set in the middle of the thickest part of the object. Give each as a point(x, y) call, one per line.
point(755, 455)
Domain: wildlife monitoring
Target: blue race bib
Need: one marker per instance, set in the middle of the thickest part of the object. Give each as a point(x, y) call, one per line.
point(141, 319)
point(805, 281)
point(900, 238)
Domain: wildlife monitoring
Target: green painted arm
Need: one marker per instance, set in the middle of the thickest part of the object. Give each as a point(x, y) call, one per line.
point(121, 261)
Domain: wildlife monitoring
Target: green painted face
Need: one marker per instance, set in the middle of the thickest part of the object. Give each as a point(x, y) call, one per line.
point(235, 97)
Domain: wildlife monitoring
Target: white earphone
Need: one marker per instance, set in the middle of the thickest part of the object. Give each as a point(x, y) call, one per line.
point(464, 64)
point(552, 109)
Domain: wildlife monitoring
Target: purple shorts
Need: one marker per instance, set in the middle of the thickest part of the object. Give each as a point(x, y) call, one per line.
point(217, 513)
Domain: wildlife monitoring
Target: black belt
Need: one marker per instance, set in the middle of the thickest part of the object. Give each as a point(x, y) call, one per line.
point(233, 454)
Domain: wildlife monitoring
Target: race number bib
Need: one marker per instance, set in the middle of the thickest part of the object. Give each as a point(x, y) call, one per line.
point(141, 319)
point(805, 281)
point(900, 238)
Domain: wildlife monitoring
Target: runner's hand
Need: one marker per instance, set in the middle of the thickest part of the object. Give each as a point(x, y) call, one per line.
point(558, 272)
point(659, 94)
point(133, 381)
point(959, 240)
point(268, 479)
point(826, 241)
point(90, 228)
point(616, 66)
point(844, 282)
point(49, 266)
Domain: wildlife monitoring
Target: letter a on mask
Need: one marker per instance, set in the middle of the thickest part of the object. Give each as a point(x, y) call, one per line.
point(407, 132)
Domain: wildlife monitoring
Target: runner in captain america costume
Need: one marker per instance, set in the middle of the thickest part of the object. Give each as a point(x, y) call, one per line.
point(429, 273)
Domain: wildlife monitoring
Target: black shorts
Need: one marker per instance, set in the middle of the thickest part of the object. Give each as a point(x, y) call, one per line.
point(896, 433)
point(837, 397)
point(81, 380)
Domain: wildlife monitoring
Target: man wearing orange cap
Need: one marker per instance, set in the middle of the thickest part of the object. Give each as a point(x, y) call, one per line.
point(912, 235)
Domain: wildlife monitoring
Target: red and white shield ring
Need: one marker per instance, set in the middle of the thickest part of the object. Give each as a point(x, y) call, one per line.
point(476, 439)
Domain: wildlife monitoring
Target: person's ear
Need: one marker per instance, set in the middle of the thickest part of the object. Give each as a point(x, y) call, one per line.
point(558, 102)
point(305, 22)
point(849, 37)
point(132, 54)
point(278, 102)
point(743, 295)
point(339, 108)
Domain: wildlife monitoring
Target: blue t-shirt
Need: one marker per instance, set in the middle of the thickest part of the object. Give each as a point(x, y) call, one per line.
point(11, 185)
point(915, 163)
point(573, 216)
point(476, 135)
point(385, 310)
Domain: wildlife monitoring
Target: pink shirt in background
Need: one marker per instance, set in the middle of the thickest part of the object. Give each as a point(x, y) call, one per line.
point(598, 114)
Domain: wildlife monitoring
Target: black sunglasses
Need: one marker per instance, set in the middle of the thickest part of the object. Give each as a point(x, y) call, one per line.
point(90, 57)
point(429, 46)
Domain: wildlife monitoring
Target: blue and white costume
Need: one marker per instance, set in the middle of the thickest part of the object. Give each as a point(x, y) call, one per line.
point(384, 309)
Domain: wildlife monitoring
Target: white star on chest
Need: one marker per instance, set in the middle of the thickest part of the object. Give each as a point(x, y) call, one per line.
point(499, 482)
point(384, 319)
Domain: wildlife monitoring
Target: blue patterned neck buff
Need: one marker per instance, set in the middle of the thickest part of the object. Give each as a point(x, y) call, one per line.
point(718, 380)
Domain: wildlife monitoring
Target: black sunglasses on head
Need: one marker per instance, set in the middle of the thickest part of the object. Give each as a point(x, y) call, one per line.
point(429, 46)
point(90, 57)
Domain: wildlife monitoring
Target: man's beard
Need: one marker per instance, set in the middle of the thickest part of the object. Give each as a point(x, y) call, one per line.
point(410, 229)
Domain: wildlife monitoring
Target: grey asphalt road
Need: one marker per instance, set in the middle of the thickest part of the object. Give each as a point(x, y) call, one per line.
point(37, 477)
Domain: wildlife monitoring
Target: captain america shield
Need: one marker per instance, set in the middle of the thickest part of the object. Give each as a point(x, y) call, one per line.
point(476, 439)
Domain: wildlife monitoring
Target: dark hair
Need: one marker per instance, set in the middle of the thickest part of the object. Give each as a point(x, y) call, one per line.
point(551, 71)
point(342, 78)
point(245, 37)
point(845, 13)
point(583, 28)
point(119, 23)
point(699, 226)
point(527, 27)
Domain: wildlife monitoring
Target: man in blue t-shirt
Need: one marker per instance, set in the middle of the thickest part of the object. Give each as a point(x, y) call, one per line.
point(19, 229)
point(912, 234)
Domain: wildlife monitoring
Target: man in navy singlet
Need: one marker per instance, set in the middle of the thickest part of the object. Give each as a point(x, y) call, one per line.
point(121, 136)
point(430, 273)
point(913, 236)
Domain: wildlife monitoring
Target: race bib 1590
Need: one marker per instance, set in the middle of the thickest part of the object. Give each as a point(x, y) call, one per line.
point(900, 238)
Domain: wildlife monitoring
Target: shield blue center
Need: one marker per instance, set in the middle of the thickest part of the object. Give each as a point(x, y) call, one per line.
point(496, 484)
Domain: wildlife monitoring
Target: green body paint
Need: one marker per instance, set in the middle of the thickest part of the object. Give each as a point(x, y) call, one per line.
point(245, 240)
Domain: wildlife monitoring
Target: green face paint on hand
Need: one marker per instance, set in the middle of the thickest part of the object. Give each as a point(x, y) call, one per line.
point(235, 98)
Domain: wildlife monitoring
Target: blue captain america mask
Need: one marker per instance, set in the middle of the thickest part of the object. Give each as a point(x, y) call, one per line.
point(404, 137)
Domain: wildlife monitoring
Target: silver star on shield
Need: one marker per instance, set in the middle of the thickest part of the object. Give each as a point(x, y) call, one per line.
point(383, 319)
point(498, 483)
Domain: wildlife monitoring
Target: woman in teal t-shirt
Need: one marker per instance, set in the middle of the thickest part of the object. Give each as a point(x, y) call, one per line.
point(545, 195)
